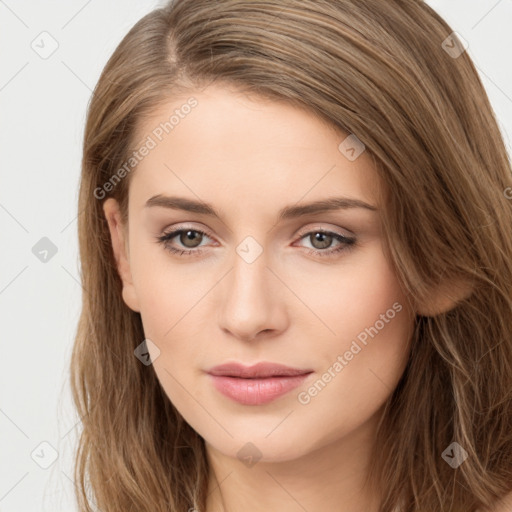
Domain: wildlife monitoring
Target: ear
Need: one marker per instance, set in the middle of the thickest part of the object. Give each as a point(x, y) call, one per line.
point(445, 297)
point(119, 237)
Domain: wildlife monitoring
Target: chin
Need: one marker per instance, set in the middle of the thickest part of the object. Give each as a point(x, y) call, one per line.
point(262, 447)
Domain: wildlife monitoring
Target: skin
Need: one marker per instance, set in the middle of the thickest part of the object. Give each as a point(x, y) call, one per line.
point(250, 157)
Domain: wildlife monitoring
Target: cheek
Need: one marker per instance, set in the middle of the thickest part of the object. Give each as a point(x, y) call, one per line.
point(352, 297)
point(368, 346)
point(373, 327)
point(166, 290)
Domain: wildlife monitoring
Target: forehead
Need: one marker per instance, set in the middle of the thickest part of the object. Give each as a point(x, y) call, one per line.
point(221, 143)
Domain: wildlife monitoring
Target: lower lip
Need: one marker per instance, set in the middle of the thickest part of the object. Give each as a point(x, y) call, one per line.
point(256, 391)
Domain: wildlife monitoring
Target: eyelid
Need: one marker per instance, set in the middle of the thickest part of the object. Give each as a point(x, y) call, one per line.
point(324, 229)
point(347, 241)
point(184, 227)
point(300, 233)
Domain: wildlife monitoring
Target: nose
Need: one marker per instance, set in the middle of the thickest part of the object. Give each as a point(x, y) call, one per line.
point(252, 301)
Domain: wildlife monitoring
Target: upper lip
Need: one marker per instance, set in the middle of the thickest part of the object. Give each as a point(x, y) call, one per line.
point(259, 370)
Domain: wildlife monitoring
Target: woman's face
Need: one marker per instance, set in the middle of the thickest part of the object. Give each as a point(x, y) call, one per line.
point(260, 282)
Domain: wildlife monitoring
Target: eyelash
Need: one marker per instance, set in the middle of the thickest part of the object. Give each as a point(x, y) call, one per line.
point(347, 243)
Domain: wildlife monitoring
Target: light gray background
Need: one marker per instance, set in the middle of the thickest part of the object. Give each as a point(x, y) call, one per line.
point(43, 103)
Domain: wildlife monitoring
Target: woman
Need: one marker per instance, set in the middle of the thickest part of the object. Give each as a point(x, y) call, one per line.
point(297, 255)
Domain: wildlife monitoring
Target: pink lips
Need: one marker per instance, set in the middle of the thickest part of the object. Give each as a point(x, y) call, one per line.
point(258, 384)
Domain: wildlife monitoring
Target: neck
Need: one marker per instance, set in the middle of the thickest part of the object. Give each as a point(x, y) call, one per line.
point(330, 477)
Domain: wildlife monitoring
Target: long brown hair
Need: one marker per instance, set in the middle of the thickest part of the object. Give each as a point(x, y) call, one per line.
point(381, 70)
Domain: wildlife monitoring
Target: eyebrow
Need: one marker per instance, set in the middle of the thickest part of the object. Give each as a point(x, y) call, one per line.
point(288, 212)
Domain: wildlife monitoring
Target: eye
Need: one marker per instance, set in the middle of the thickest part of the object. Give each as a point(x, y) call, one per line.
point(190, 239)
point(189, 242)
point(322, 240)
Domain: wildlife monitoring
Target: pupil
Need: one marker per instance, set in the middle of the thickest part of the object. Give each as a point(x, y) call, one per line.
point(324, 239)
point(189, 237)
point(194, 236)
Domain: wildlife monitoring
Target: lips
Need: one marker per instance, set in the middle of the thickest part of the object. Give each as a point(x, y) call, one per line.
point(259, 370)
point(257, 384)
